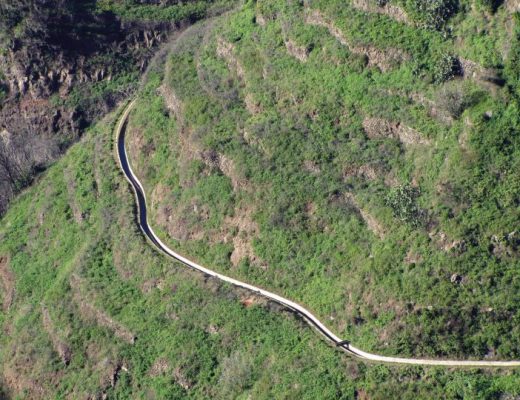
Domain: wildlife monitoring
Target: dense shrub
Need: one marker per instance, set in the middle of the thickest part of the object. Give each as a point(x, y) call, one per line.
point(445, 67)
point(433, 14)
point(488, 5)
point(403, 202)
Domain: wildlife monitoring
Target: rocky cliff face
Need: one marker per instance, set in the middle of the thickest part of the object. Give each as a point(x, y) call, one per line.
point(60, 61)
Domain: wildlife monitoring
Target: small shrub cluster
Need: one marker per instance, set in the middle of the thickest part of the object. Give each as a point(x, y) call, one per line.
point(454, 99)
point(445, 68)
point(433, 14)
point(403, 202)
point(490, 6)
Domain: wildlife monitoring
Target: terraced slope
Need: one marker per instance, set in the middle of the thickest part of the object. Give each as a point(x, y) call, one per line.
point(89, 311)
point(352, 177)
point(269, 148)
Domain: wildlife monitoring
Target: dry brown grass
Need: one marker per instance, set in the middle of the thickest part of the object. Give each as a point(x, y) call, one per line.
point(377, 128)
point(372, 223)
point(7, 283)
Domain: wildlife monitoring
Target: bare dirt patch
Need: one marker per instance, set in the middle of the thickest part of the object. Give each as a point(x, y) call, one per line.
point(183, 222)
point(252, 105)
point(18, 382)
point(226, 51)
point(311, 166)
point(433, 110)
point(247, 229)
point(181, 379)
point(377, 128)
point(370, 172)
point(412, 257)
point(159, 367)
point(445, 243)
point(90, 312)
point(384, 59)
point(227, 166)
point(136, 146)
point(298, 52)
point(391, 10)
point(249, 301)
point(7, 283)
point(71, 194)
point(59, 345)
point(372, 223)
point(488, 77)
point(173, 103)
point(260, 19)
point(512, 5)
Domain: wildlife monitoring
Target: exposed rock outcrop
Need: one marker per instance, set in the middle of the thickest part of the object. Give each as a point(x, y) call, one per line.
point(388, 9)
point(377, 128)
point(63, 48)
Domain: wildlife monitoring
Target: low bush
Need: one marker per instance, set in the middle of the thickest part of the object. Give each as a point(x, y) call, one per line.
point(403, 202)
point(433, 14)
point(454, 98)
point(445, 67)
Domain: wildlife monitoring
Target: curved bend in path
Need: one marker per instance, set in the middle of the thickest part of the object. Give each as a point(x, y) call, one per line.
point(306, 314)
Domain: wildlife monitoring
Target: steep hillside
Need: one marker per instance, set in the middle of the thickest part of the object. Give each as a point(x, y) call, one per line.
point(89, 311)
point(360, 158)
point(356, 163)
point(64, 64)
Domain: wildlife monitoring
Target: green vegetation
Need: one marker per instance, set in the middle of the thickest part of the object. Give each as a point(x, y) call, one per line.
point(177, 12)
point(403, 202)
point(385, 199)
point(296, 176)
point(195, 338)
point(432, 14)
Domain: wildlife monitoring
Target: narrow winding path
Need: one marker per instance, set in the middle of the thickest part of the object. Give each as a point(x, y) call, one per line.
point(307, 315)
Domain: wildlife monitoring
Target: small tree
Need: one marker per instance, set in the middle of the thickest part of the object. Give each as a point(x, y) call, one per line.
point(490, 6)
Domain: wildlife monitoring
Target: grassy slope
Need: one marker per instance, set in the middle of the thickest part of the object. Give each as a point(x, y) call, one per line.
point(208, 344)
point(313, 112)
point(202, 341)
point(99, 261)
